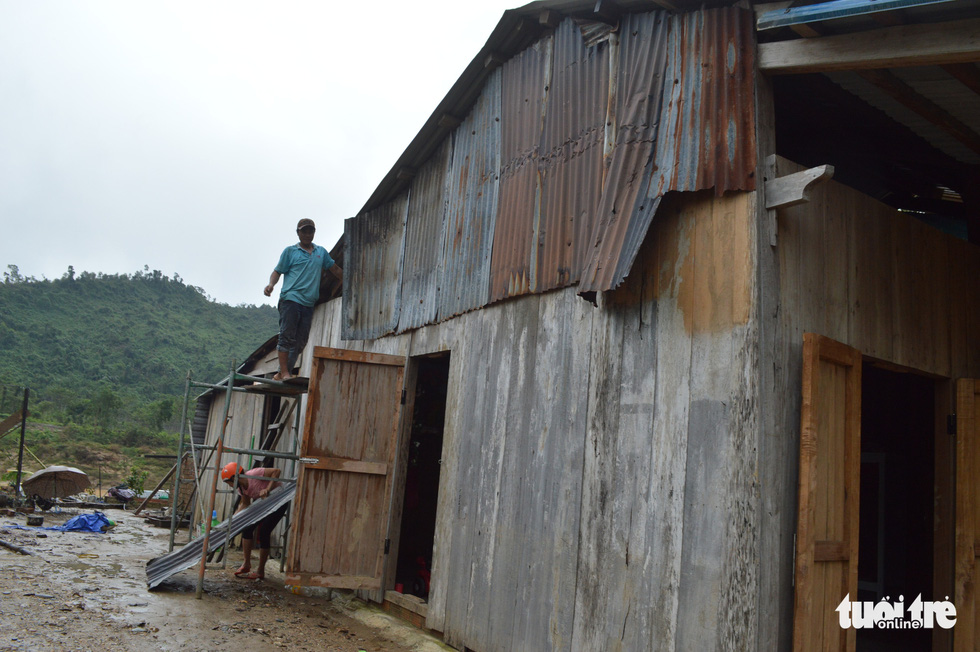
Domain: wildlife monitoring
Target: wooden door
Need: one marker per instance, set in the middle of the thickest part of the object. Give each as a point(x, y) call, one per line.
point(830, 470)
point(966, 633)
point(343, 500)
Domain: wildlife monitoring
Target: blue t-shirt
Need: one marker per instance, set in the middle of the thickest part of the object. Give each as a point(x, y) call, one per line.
point(301, 272)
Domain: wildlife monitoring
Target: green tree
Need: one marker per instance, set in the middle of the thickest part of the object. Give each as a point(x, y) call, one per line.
point(12, 275)
point(104, 408)
point(137, 476)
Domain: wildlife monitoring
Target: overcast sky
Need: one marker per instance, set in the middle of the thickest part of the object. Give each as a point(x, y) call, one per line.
point(192, 136)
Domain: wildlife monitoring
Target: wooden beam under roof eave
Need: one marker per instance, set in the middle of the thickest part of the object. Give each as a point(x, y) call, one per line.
point(889, 47)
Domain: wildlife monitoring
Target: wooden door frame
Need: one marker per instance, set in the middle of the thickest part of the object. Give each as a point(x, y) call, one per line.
point(944, 488)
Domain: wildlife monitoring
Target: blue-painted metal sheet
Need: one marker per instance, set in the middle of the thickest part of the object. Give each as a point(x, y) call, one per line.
point(834, 9)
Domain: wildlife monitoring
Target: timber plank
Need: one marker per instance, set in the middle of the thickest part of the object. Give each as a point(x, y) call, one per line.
point(546, 595)
point(500, 369)
point(827, 531)
point(601, 580)
point(341, 519)
point(514, 493)
point(350, 466)
point(890, 47)
point(475, 419)
point(708, 438)
point(967, 514)
point(672, 401)
point(447, 514)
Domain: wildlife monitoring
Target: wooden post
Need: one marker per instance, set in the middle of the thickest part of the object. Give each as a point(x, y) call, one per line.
point(20, 456)
point(207, 521)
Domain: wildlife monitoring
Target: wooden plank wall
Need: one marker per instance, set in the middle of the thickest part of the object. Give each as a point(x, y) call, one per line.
point(598, 489)
point(864, 274)
point(246, 420)
point(881, 281)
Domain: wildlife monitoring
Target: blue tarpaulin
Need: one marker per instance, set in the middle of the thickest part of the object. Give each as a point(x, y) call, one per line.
point(94, 522)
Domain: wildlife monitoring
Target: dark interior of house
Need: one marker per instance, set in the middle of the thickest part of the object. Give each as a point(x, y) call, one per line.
point(422, 477)
point(897, 493)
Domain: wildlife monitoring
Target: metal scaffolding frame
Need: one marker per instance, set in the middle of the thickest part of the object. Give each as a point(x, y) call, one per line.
point(270, 439)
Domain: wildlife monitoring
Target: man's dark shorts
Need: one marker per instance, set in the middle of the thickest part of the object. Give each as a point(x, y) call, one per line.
point(295, 321)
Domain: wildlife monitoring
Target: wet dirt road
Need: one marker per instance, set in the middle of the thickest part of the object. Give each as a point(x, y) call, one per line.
point(87, 591)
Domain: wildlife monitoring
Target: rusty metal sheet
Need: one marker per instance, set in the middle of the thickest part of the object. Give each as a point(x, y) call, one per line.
point(524, 82)
point(372, 277)
point(556, 173)
point(472, 205)
point(624, 212)
point(705, 136)
point(160, 568)
point(709, 141)
point(571, 163)
point(424, 242)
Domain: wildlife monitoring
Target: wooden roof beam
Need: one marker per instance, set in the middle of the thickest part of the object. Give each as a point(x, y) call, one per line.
point(912, 99)
point(967, 74)
point(904, 45)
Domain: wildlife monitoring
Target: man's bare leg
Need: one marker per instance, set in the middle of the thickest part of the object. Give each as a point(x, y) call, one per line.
point(284, 371)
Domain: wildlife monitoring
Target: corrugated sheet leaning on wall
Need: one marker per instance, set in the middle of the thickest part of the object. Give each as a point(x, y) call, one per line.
point(559, 168)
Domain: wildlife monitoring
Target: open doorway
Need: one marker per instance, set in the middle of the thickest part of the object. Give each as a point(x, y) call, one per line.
point(418, 524)
point(896, 545)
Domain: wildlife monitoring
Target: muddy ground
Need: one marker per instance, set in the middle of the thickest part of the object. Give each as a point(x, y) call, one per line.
point(87, 591)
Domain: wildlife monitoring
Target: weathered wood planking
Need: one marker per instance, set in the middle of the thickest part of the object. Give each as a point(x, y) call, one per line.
point(516, 495)
point(448, 506)
point(609, 486)
point(545, 596)
point(965, 637)
point(461, 517)
point(780, 366)
point(860, 272)
point(243, 431)
point(341, 519)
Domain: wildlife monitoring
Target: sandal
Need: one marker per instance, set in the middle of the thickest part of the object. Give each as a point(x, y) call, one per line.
point(250, 576)
point(242, 572)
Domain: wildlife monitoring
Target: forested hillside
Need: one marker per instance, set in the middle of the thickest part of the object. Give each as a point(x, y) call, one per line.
point(105, 358)
point(137, 334)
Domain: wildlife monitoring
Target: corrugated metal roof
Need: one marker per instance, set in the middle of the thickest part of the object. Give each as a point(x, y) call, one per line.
point(940, 87)
point(524, 99)
point(516, 30)
point(708, 140)
point(705, 134)
point(558, 169)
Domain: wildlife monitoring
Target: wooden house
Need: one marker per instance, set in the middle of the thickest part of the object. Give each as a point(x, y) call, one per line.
point(659, 335)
